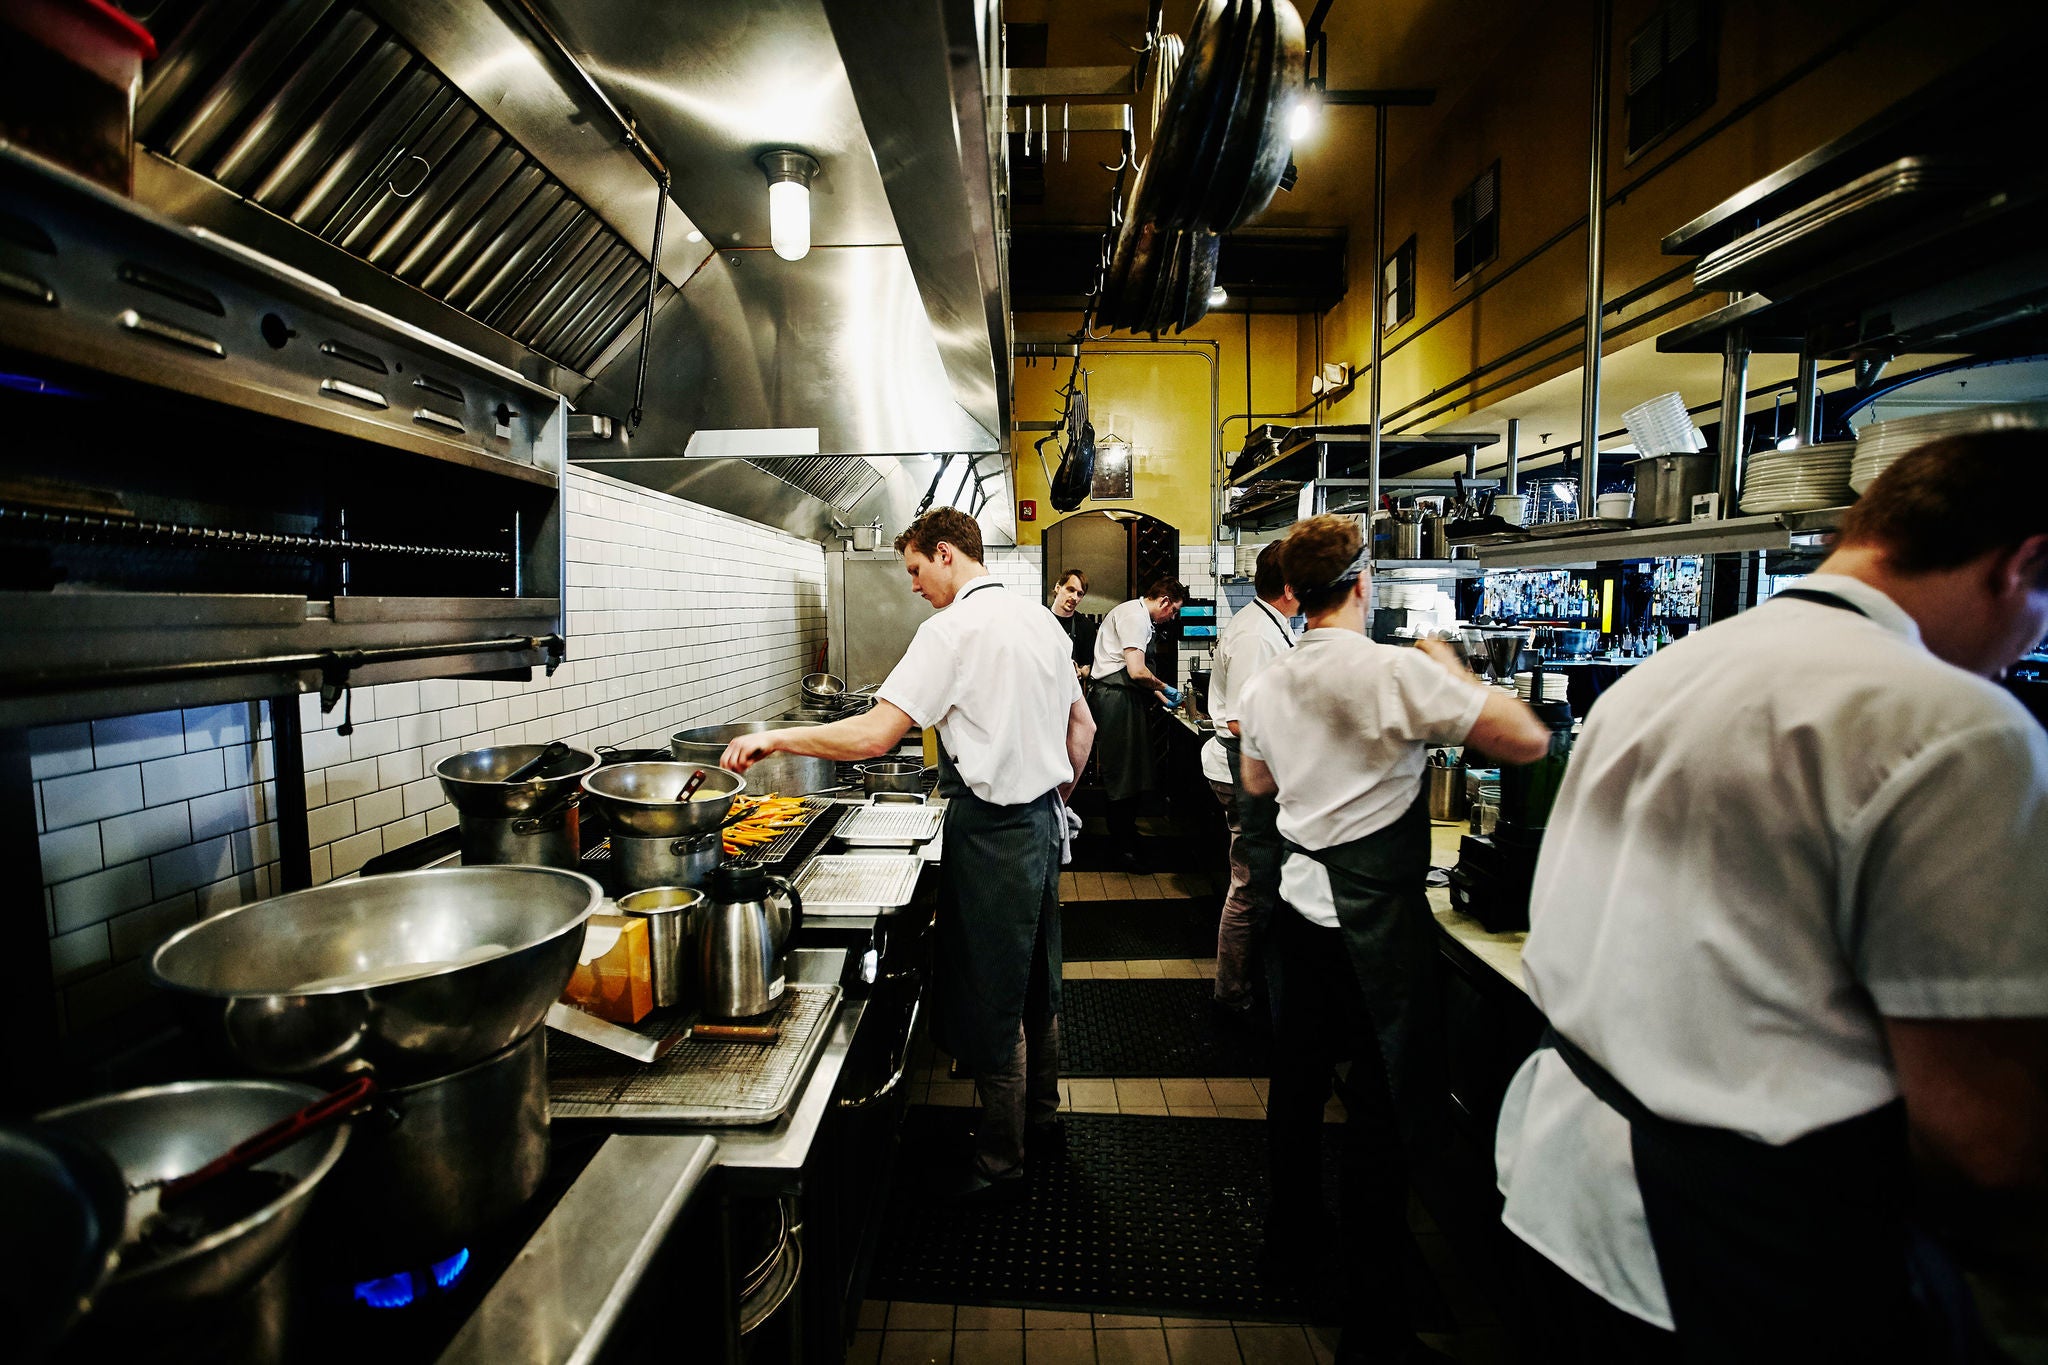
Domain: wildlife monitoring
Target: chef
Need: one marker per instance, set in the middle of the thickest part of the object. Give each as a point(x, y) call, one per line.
point(1337, 730)
point(1790, 930)
point(1124, 688)
point(992, 673)
point(1066, 602)
point(1256, 636)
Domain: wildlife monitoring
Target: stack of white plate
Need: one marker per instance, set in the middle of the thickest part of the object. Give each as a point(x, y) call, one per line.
point(1882, 442)
point(1800, 479)
point(1556, 686)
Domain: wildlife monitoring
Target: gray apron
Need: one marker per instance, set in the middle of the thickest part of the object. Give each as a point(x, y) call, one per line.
point(1123, 734)
point(999, 909)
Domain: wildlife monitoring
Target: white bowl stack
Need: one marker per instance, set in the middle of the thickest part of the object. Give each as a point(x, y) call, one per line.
point(1882, 442)
point(1556, 686)
point(1801, 479)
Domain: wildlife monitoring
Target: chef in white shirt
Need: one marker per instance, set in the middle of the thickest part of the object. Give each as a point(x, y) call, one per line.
point(1256, 636)
point(1790, 929)
point(1338, 730)
point(1124, 689)
point(991, 672)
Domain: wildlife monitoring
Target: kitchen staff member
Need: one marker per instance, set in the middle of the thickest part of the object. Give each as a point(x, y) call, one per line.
point(1123, 689)
point(1066, 602)
point(1256, 636)
point(1337, 730)
point(991, 673)
point(1790, 926)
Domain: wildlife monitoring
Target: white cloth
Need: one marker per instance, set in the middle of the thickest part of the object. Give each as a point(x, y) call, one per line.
point(1070, 829)
point(1770, 835)
point(1254, 638)
point(1127, 626)
point(993, 673)
point(1345, 724)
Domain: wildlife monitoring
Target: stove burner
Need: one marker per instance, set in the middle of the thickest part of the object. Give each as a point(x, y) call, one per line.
point(404, 1289)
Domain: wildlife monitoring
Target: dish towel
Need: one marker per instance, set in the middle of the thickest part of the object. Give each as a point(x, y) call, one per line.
point(1070, 825)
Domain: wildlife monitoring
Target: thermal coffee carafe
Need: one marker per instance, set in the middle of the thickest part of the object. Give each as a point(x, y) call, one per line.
point(744, 950)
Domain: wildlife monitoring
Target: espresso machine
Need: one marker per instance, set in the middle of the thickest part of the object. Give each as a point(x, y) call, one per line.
point(1495, 871)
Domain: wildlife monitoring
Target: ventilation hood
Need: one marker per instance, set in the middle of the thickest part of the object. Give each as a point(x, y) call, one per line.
point(467, 168)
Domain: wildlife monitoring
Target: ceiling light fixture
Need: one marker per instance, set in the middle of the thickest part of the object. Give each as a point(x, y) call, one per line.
point(1301, 118)
point(1218, 297)
point(789, 202)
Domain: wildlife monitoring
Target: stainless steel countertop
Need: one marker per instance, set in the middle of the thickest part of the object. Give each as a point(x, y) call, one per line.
point(557, 1302)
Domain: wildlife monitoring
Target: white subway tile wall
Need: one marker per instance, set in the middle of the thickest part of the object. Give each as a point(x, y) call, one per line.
point(678, 615)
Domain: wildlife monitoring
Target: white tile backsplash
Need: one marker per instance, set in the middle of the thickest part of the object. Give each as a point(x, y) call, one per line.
point(678, 616)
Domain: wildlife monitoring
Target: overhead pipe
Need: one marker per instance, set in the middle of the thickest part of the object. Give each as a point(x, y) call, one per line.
point(1514, 469)
point(1729, 448)
point(1379, 303)
point(1189, 346)
point(1596, 263)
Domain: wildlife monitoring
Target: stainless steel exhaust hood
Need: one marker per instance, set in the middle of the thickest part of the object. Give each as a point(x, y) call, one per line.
point(431, 158)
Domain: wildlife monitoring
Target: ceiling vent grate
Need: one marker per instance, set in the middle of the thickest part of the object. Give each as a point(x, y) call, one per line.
point(840, 480)
point(321, 115)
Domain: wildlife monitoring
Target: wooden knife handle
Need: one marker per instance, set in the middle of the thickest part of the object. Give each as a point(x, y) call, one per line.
point(737, 1033)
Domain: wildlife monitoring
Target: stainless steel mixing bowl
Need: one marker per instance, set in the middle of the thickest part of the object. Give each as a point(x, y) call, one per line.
point(172, 1130)
point(639, 799)
point(475, 781)
point(420, 974)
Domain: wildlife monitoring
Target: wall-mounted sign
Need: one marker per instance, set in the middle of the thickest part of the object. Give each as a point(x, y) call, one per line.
point(1027, 509)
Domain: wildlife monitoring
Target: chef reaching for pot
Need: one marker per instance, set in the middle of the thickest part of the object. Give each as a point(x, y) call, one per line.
point(1124, 689)
point(992, 673)
point(1337, 729)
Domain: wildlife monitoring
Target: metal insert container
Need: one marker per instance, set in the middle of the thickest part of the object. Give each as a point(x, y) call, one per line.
point(780, 774)
point(675, 925)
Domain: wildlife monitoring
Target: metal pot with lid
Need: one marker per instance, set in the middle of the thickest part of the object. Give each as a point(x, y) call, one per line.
point(516, 803)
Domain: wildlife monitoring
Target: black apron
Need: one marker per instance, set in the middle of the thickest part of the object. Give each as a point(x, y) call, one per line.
point(999, 908)
point(1803, 1251)
point(1123, 734)
point(1379, 884)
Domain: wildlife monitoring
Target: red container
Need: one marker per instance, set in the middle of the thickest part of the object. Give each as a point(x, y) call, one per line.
point(69, 73)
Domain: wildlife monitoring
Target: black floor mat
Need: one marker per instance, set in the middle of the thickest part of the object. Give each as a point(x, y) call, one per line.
point(1154, 1028)
point(1138, 1215)
point(1116, 931)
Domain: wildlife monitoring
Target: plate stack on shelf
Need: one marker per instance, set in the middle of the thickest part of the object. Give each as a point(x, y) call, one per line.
point(1556, 686)
point(1882, 442)
point(1802, 479)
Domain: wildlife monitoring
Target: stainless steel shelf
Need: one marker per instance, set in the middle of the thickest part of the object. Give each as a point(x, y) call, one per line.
point(1427, 569)
point(1770, 532)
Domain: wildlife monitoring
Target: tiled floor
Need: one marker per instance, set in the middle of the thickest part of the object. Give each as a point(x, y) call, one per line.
point(1130, 886)
point(935, 1334)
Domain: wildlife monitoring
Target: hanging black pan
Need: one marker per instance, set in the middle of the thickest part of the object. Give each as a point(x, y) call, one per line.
point(1219, 182)
point(1285, 68)
point(1202, 278)
point(1197, 113)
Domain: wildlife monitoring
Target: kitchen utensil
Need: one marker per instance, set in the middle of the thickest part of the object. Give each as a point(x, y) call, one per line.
point(858, 881)
point(540, 762)
point(1617, 506)
point(1665, 485)
point(891, 775)
point(1504, 653)
point(746, 935)
point(1436, 543)
point(147, 1198)
point(1408, 540)
point(65, 1203)
point(166, 1130)
point(681, 860)
point(420, 974)
point(612, 1037)
point(734, 1033)
point(900, 822)
point(782, 774)
point(1447, 798)
point(675, 921)
point(1511, 507)
point(639, 799)
point(690, 788)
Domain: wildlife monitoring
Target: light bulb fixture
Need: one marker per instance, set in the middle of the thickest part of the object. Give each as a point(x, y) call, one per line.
point(789, 202)
point(1301, 116)
point(1218, 297)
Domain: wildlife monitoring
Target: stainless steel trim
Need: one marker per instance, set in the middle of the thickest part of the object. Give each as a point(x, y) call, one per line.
point(432, 418)
point(341, 388)
point(28, 288)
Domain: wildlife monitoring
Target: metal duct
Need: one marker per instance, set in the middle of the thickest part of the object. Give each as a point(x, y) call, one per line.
point(319, 113)
point(841, 480)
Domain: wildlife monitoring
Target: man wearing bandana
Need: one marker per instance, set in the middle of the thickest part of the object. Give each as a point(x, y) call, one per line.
point(1338, 730)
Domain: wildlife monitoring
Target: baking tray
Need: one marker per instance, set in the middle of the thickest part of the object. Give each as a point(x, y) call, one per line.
point(898, 824)
point(707, 1082)
point(776, 849)
point(867, 881)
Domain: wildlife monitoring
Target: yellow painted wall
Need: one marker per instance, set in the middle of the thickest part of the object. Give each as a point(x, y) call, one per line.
point(1528, 110)
point(1164, 395)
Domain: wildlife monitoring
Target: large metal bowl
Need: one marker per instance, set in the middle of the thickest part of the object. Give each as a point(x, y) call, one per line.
point(639, 799)
point(782, 773)
point(173, 1130)
point(475, 781)
point(420, 974)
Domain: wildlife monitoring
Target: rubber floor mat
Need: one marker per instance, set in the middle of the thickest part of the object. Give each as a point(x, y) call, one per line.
point(1116, 931)
point(1137, 1215)
point(1155, 1028)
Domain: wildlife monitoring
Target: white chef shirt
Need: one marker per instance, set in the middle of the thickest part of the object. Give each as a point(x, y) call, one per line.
point(1344, 723)
point(1128, 626)
point(1254, 638)
point(1771, 835)
point(993, 672)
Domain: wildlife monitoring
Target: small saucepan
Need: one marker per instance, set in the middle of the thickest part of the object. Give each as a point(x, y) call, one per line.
point(890, 775)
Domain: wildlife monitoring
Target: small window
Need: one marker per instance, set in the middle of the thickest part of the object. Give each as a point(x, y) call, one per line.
point(1475, 225)
point(1673, 66)
point(1397, 287)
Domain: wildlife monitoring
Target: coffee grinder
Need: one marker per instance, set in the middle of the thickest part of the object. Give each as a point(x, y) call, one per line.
point(1494, 873)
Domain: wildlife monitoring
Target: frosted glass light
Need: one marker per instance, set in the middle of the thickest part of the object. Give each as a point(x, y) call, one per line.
point(789, 219)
